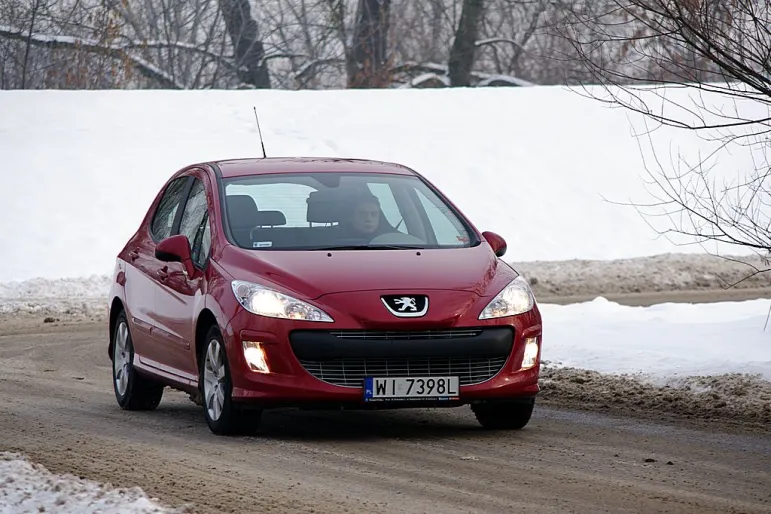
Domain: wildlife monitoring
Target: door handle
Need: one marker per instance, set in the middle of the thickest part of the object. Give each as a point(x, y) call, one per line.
point(163, 273)
point(133, 255)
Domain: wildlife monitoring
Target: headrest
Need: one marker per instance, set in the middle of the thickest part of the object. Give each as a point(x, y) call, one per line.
point(332, 205)
point(270, 219)
point(324, 207)
point(242, 211)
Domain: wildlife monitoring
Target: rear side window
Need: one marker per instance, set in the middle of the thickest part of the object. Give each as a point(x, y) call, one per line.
point(163, 220)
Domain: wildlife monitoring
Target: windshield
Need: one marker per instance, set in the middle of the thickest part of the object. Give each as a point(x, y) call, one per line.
point(318, 211)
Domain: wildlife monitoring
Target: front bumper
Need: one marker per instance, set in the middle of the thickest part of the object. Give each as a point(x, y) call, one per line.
point(323, 366)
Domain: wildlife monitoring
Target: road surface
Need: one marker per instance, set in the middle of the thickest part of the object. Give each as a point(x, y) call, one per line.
point(58, 408)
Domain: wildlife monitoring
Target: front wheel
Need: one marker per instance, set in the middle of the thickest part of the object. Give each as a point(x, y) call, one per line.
point(504, 415)
point(223, 416)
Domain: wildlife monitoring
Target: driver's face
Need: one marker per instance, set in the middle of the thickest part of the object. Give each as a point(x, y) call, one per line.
point(365, 217)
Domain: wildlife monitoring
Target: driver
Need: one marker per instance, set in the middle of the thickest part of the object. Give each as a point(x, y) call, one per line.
point(364, 217)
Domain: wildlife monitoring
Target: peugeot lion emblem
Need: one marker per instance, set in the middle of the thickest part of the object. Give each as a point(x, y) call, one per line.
point(406, 306)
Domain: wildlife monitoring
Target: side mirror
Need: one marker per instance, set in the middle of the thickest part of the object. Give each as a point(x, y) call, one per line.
point(497, 243)
point(175, 249)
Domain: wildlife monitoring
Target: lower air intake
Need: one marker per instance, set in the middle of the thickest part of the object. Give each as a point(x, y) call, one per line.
point(350, 372)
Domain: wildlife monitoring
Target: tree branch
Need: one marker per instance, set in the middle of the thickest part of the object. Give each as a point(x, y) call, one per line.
point(147, 69)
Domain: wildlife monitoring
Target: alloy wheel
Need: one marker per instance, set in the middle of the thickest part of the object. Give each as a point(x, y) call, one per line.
point(121, 359)
point(214, 380)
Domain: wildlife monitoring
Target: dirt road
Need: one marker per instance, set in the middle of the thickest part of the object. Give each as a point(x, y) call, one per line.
point(58, 407)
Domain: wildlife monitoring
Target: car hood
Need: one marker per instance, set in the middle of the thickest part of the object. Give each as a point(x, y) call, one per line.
point(315, 273)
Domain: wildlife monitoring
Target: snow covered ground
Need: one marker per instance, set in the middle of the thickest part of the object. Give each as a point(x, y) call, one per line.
point(656, 343)
point(29, 487)
point(661, 342)
point(534, 164)
point(84, 165)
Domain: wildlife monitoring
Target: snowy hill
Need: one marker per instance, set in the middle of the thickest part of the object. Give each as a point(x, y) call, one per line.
point(533, 164)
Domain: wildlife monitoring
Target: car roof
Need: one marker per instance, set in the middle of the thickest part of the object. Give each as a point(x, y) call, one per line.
point(255, 166)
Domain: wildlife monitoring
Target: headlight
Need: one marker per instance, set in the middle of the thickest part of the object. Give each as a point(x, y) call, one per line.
point(516, 298)
point(263, 301)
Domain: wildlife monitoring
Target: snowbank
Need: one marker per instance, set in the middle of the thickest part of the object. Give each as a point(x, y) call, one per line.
point(661, 342)
point(659, 273)
point(71, 296)
point(533, 164)
point(86, 287)
point(657, 343)
point(29, 487)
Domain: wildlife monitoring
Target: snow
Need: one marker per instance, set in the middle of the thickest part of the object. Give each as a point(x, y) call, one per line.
point(657, 343)
point(88, 287)
point(660, 342)
point(534, 164)
point(81, 296)
point(489, 79)
point(427, 77)
point(29, 487)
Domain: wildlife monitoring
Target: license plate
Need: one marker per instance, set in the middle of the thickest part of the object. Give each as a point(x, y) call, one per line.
point(411, 388)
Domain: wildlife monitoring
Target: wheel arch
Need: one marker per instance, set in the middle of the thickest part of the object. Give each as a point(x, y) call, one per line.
point(116, 307)
point(206, 320)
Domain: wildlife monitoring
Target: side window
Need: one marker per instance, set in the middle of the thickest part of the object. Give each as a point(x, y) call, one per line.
point(202, 244)
point(163, 220)
point(388, 205)
point(195, 209)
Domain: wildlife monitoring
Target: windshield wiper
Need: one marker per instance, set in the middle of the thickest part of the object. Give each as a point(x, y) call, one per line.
point(370, 247)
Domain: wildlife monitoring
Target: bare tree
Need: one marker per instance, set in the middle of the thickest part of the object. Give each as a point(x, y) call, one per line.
point(719, 49)
point(512, 43)
point(506, 33)
point(64, 43)
point(292, 44)
point(368, 60)
point(131, 43)
point(464, 46)
point(250, 52)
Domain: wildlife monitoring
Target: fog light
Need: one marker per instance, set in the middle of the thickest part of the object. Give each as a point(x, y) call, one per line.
point(531, 353)
point(255, 356)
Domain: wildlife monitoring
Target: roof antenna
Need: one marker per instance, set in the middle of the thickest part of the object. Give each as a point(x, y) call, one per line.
point(260, 132)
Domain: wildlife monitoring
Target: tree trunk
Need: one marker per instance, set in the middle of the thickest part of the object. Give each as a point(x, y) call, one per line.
point(249, 50)
point(368, 62)
point(462, 52)
point(437, 17)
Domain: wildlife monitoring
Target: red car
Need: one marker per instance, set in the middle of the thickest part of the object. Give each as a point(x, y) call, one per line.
point(319, 283)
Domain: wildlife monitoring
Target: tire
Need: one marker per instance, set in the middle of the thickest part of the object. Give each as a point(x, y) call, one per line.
point(223, 416)
point(132, 390)
point(505, 415)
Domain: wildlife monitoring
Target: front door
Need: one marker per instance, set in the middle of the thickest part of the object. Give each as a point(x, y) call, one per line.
point(142, 271)
point(178, 291)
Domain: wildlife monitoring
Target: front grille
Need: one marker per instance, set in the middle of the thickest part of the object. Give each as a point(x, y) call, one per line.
point(350, 372)
point(399, 334)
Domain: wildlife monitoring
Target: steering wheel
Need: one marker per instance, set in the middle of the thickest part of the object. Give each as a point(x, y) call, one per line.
point(397, 238)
